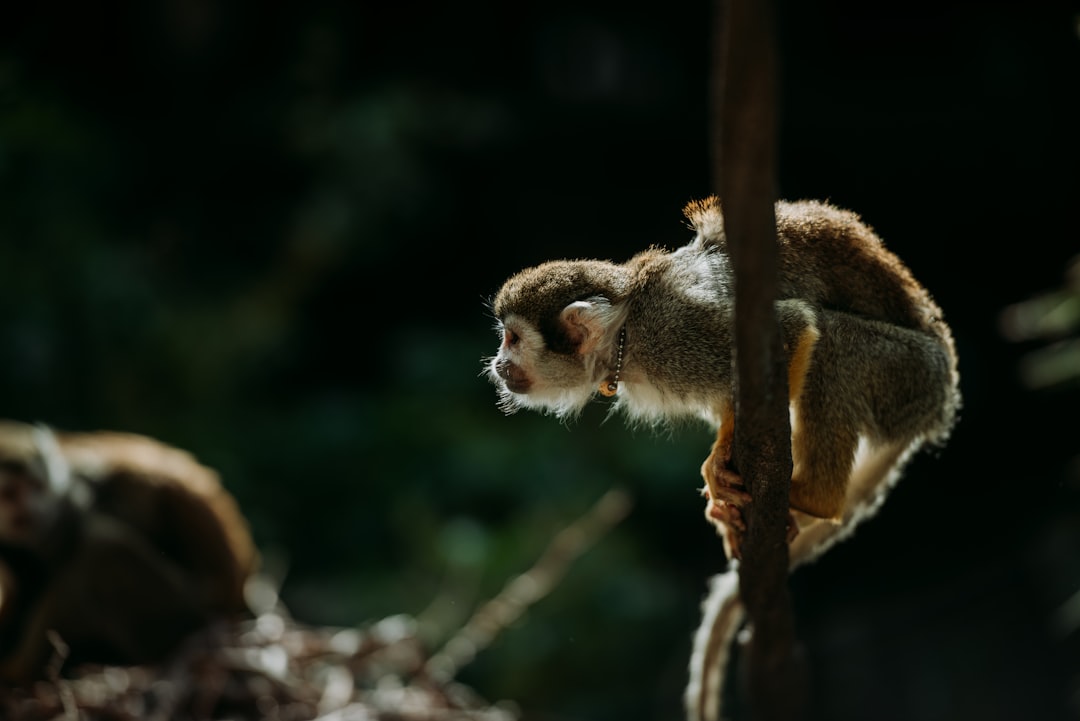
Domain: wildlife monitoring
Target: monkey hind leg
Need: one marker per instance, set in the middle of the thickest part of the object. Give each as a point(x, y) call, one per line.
point(868, 380)
point(907, 379)
point(822, 452)
point(874, 472)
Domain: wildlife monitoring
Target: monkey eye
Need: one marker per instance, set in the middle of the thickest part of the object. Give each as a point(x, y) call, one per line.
point(510, 338)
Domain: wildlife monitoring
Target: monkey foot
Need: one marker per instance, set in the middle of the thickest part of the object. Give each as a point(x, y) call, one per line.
point(726, 495)
point(729, 522)
point(724, 490)
point(731, 526)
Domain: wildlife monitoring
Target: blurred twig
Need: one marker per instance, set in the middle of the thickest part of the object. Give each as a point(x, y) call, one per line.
point(273, 667)
point(526, 589)
point(1053, 319)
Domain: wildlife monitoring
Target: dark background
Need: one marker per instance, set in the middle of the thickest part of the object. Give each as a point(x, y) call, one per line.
point(266, 232)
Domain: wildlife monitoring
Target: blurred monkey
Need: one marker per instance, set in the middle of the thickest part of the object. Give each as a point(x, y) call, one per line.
point(118, 543)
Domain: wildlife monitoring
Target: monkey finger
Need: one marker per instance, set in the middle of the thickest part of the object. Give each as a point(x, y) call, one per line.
point(733, 495)
point(725, 513)
point(722, 483)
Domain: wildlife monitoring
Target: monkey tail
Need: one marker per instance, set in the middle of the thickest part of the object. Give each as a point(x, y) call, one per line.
point(722, 616)
point(875, 472)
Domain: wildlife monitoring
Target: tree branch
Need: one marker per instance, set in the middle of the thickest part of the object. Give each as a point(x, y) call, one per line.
point(745, 160)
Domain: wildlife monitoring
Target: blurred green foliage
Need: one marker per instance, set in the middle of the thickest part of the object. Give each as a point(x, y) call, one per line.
point(276, 272)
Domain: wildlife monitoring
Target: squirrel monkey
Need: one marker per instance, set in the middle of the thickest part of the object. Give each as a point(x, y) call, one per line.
point(118, 543)
point(871, 363)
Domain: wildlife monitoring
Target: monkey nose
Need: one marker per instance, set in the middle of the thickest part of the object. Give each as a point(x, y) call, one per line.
point(504, 368)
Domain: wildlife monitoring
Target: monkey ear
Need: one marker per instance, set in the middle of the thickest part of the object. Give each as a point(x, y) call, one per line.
point(584, 323)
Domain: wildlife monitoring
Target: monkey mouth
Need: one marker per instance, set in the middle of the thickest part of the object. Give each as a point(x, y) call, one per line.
point(519, 386)
point(513, 378)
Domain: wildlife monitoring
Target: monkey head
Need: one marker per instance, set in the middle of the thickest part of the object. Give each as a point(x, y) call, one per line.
point(33, 478)
point(559, 325)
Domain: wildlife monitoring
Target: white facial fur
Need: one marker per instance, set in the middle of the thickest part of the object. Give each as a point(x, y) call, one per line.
point(32, 492)
point(560, 385)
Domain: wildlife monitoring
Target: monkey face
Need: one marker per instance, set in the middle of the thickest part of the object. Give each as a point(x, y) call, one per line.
point(554, 367)
point(557, 325)
point(24, 503)
point(529, 374)
point(29, 481)
point(508, 366)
